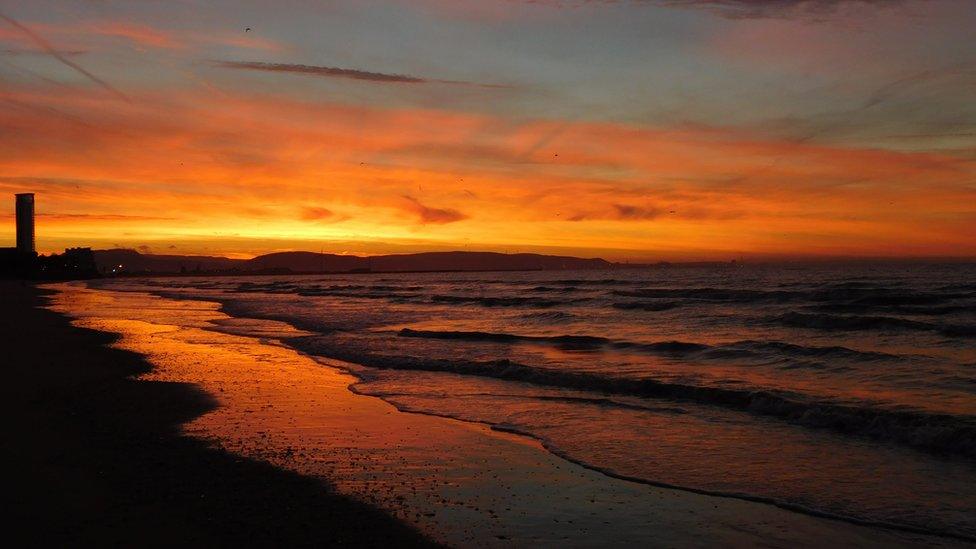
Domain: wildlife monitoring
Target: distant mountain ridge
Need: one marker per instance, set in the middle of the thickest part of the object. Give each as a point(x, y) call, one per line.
point(131, 261)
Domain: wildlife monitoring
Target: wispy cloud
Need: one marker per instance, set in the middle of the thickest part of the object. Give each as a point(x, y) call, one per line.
point(426, 214)
point(94, 217)
point(314, 213)
point(761, 9)
point(739, 9)
point(631, 212)
point(863, 195)
point(146, 36)
point(625, 211)
point(28, 51)
point(56, 53)
point(352, 74)
point(139, 34)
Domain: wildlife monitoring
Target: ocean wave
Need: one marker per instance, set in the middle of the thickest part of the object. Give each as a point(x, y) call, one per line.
point(850, 322)
point(599, 282)
point(940, 433)
point(266, 288)
point(603, 402)
point(563, 289)
point(646, 305)
point(553, 447)
point(829, 322)
point(711, 294)
point(793, 350)
point(565, 341)
point(562, 341)
point(858, 308)
point(547, 317)
point(864, 297)
point(488, 301)
point(734, 350)
point(359, 295)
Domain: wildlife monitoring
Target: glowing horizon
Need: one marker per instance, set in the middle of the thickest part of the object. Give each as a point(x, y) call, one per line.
point(637, 131)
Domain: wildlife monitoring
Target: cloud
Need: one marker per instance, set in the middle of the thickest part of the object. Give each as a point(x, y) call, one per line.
point(336, 72)
point(56, 217)
point(738, 9)
point(762, 9)
point(311, 213)
point(29, 51)
point(56, 53)
point(625, 211)
point(629, 212)
point(102, 217)
point(891, 90)
point(152, 37)
point(131, 160)
point(621, 212)
point(427, 214)
point(140, 34)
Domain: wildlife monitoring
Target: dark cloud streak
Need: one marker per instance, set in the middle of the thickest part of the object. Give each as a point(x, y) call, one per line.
point(337, 72)
point(739, 9)
point(426, 214)
point(764, 9)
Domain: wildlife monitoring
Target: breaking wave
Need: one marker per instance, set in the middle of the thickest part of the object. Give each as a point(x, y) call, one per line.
point(830, 322)
point(738, 349)
point(940, 433)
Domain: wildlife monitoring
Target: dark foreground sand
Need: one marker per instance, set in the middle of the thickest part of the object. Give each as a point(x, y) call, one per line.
point(95, 458)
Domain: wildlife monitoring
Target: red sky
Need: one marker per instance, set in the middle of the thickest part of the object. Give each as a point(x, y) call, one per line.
point(630, 130)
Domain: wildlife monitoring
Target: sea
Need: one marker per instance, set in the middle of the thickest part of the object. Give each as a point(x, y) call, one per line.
point(845, 391)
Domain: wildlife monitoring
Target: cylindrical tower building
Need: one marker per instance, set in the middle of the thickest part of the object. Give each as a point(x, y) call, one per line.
point(25, 224)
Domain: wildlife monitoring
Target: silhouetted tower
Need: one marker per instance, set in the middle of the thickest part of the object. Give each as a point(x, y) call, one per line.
point(25, 223)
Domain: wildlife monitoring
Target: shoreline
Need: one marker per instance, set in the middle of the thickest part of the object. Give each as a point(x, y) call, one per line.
point(260, 407)
point(101, 458)
point(547, 446)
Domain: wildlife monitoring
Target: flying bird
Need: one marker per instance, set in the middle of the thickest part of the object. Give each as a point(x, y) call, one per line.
point(247, 29)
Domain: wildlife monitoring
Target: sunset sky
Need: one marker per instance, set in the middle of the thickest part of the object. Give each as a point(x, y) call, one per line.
point(631, 130)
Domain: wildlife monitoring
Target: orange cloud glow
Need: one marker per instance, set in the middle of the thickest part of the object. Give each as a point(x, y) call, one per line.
point(216, 142)
point(243, 169)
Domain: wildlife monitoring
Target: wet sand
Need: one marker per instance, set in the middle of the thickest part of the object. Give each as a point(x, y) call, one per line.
point(460, 483)
point(96, 458)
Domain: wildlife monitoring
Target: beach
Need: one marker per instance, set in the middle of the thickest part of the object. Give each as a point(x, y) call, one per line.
point(98, 459)
point(233, 418)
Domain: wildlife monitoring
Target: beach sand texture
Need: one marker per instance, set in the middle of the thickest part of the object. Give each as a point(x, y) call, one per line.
point(97, 459)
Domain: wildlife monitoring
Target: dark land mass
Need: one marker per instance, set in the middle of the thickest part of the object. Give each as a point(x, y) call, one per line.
point(96, 458)
point(131, 261)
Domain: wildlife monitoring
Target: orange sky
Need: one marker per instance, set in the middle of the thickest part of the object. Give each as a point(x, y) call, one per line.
point(147, 131)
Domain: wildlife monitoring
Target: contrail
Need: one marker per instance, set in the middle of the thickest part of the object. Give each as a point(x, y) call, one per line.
point(47, 47)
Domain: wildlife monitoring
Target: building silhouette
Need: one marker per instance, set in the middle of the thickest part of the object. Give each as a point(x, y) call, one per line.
point(25, 224)
point(24, 263)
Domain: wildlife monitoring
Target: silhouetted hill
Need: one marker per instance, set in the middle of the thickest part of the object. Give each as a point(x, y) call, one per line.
point(305, 262)
point(433, 261)
point(134, 262)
